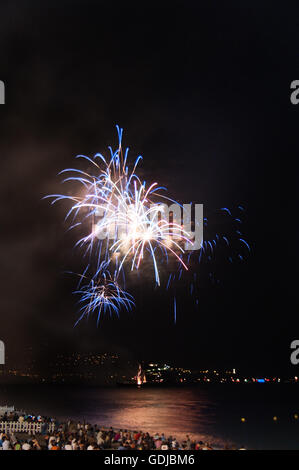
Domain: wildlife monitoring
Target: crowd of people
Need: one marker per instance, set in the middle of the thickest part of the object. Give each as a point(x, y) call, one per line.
point(72, 435)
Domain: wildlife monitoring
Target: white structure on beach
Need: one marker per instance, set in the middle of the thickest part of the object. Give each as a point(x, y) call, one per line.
point(6, 409)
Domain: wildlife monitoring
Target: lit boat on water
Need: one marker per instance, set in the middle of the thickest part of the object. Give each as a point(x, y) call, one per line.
point(140, 378)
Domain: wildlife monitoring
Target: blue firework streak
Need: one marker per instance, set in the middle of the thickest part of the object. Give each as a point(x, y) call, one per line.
point(102, 295)
point(223, 243)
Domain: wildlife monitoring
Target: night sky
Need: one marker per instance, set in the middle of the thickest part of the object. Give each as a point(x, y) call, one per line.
point(203, 94)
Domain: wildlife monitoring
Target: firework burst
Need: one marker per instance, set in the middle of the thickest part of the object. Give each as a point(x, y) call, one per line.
point(102, 295)
point(126, 226)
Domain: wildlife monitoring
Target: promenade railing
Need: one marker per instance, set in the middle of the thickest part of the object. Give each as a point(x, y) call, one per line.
point(24, 427)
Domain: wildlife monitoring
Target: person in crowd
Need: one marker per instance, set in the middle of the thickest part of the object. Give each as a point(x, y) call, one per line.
point(5, 443)
point(26, 446)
